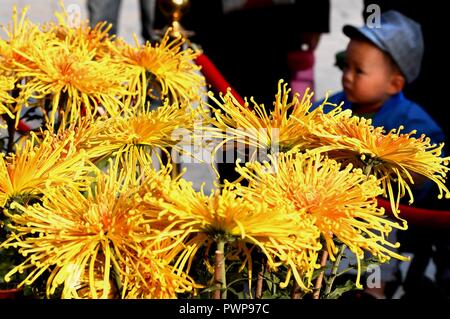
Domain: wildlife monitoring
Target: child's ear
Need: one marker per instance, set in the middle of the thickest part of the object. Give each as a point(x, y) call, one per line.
point(396, 84)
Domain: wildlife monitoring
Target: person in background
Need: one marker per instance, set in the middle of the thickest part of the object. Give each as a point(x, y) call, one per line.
point(427, 88)
point(256, 43)
point(108, 10)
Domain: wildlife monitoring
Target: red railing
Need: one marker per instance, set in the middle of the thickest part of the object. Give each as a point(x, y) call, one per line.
point(215, 78)
point(432, 218)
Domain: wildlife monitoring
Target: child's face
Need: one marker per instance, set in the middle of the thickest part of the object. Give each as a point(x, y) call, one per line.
point(366, 76)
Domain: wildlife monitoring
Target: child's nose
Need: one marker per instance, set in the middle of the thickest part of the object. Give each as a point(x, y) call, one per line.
point(346, 76)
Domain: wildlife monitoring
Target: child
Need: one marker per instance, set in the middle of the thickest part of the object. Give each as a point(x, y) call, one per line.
point(379, 61)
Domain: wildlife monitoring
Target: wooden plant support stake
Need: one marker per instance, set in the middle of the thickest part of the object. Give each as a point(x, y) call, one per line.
point(319, 279)
point(219, 272)
point(296, 292)
point(260, 281)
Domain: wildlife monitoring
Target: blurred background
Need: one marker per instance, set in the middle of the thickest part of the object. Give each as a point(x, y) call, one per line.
point(326, 75)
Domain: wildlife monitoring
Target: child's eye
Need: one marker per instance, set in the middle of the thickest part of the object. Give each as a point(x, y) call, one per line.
point(359, 71)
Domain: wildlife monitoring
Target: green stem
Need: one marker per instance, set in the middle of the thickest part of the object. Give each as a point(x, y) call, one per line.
point(274, 286)
point(335, 269)
point(117, 279)
point(260, 281)
point(11, 133)
point(368, 170)
point(11, 123)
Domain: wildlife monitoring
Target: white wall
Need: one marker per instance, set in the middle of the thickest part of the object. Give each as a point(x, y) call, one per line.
point(327, 76)
point(42, 11)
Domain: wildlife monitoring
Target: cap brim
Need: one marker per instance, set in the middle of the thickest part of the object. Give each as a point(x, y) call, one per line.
point(353, 32)
point(363, 33)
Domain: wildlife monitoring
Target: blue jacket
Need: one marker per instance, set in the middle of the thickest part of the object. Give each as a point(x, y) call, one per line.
point(396, 111)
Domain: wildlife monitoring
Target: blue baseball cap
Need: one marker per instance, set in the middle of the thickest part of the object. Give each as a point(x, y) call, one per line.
point(397, 35)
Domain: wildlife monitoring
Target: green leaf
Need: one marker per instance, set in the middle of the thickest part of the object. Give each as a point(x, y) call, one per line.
point(338, 291)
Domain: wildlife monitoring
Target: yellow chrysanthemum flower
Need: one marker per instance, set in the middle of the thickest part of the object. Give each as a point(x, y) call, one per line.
point(140, 132)
point(90, 241)
point(38, 164)
point(391, 157)
point(74, 81)
point(194, 219)
point(341, 201)
point(6, 85)
point(290, 126)
point(166, 63)
point(21, 38)
point(21, 35)
point(96, 39)
point(157, 278)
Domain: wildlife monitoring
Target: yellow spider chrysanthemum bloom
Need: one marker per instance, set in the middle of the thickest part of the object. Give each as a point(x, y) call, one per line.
point(21, 38)
point(157, 278)
point(6, 85)
point(90, 241)
point(166, 63)
point(290, 126)
point(341, 201)
point(74, 81)
point(392, 157)
point(154, 280)
point(95, 38)
point(80, 132)
point(140, 133)
point(194, 219)
point(39, 164)
point(21, 35)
